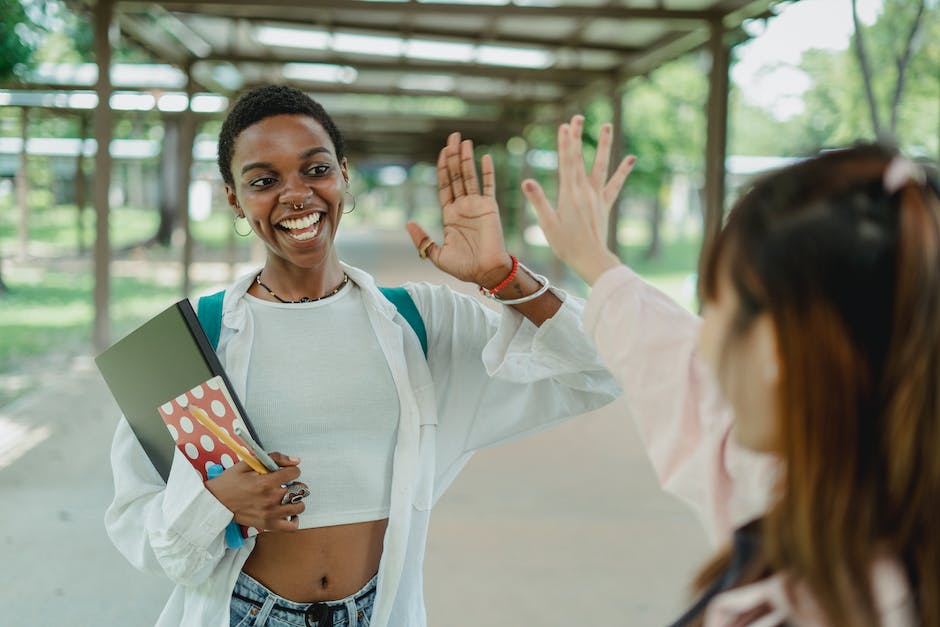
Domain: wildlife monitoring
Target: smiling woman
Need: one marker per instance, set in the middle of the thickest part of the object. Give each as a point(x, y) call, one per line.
point(334, 377)
point(290, 187)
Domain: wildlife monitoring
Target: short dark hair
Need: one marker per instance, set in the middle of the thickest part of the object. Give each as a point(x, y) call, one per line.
point(264, 102)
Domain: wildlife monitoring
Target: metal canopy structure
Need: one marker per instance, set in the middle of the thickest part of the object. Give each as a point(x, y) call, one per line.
point(399, 75)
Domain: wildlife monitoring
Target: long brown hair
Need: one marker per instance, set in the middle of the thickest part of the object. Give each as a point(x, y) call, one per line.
point(849, 273)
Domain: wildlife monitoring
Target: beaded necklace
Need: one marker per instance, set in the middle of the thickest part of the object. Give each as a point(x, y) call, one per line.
point(303, 299)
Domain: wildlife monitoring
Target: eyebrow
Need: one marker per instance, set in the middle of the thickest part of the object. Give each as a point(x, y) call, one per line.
point(265, 165)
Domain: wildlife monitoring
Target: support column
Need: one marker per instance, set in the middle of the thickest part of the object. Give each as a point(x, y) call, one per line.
point(187, 137)
point(522, 210)
point(103, 13)
point(80, 183)
point(716, 141)
point(616, 154)
point(22, 190)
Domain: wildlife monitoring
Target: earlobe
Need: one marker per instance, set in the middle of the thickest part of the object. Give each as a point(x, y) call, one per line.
point(233, 202)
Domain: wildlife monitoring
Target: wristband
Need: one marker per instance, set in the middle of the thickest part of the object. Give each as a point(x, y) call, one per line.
point(512, 274)
point(518, 301)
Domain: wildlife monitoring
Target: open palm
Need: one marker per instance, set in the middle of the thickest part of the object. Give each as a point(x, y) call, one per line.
point(576, 227)
point(473, 235)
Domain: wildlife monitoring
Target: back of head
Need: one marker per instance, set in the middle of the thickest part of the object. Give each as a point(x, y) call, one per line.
point(263, 102)
point(843, 252)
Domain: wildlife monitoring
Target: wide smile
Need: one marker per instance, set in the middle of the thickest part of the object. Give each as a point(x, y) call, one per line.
point(303, 228)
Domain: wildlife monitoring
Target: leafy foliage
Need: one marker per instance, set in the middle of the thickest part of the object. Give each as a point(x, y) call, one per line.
point(836, 111)
point(18, 40)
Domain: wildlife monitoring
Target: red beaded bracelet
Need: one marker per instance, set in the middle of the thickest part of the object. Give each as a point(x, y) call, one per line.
point(512, 274)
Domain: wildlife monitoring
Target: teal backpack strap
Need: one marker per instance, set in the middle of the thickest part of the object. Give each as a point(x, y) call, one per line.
point(209, 312)
point(405, 305)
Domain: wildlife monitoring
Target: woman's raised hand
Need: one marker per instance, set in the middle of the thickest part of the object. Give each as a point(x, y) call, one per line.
point(576, 228)
point(473, 248)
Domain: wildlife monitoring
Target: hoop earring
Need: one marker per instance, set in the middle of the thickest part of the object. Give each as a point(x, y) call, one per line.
point(354, 203)
point(235, 226)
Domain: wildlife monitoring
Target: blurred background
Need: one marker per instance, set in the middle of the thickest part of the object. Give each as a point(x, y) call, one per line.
point(565, 528)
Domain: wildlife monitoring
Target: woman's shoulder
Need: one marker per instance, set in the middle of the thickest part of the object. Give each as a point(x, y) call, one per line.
point(779, 599)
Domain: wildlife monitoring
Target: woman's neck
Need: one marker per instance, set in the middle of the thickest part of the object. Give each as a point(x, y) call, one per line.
point(293, 283)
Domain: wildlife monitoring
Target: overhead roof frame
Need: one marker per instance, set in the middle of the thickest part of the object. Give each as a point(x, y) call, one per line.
point(590, 57)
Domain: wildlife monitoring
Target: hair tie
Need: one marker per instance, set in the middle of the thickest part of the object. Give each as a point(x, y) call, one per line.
point(900, 172)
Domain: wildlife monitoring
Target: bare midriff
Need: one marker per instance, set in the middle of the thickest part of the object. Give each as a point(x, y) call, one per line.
point(319, 564)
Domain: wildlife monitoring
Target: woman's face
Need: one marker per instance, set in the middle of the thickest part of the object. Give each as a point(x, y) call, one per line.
point(279, 164)
point(746, 365)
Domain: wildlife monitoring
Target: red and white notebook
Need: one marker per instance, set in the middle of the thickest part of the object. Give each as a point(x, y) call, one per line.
point(200, 446)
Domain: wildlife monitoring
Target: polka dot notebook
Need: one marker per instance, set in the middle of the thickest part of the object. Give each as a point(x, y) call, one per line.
point(200, 446)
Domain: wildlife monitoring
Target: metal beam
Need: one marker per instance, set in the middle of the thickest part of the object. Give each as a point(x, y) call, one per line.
point(164, 49)
point(666, 48)
point(152, 40)
point(256, 8)
point(752, 9)
point(569, 77)
point(424, 32)
point(359, 90)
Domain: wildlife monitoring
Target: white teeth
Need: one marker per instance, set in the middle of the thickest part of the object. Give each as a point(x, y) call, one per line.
point(302, 223)
point(306, 235)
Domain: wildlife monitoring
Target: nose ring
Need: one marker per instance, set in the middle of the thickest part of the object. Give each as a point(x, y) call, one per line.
point(298, 205)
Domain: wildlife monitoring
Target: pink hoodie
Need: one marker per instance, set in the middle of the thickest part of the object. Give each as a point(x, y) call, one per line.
point(649, 344)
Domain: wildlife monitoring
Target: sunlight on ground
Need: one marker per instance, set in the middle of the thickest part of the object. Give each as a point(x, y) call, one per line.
point(17, 439)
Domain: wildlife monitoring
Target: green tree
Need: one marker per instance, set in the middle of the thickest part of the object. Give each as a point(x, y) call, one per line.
point(664, 120)
point(899, 17)
point(906, 111)
point(18, 39)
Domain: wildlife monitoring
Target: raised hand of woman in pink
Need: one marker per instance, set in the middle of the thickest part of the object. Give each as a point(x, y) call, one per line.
point(576, 228)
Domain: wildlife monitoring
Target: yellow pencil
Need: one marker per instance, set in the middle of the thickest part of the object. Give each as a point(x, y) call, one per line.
point(228, 440)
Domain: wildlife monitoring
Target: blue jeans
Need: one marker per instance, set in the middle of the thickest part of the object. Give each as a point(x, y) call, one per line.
point(253, 605)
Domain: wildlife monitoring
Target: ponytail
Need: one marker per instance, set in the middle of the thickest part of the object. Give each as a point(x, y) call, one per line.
point(912, 378)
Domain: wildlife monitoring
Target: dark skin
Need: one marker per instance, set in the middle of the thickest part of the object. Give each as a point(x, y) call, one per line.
point(288, 161)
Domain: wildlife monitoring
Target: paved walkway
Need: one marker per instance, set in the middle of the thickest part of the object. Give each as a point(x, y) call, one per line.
point(565, 528)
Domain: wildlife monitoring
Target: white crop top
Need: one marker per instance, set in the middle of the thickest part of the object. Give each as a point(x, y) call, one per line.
point(319, 388)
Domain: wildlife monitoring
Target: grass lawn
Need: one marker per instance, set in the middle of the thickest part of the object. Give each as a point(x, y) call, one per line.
point(49, 304)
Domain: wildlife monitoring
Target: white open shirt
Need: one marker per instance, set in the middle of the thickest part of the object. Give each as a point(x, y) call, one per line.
point(489, 378)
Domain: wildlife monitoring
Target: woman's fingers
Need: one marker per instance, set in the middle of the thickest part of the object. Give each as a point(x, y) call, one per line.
point(564, 165)
point(576, 146)
point(536, 195)
point(425, 246)
point(445, 194)
point(276, 518)
point(468, 169)
point(453, 165)
point(457, 172)
point(570, 158)
point(283, 460)
point(602, 158)
point(489, 176)
point(617, 179)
